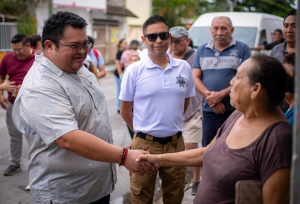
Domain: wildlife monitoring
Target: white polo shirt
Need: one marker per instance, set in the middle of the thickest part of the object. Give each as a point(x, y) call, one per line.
point(158, 95)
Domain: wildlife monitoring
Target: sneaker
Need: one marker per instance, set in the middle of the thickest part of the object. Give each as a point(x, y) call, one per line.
point(27, 188)
point(11, 170)
point(195, 188)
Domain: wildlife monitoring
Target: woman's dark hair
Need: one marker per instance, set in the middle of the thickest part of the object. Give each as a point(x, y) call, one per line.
point(34, 39)
point(134, 45)
point(55, 26)
point(270, 73)
point(90, 39)
point(120, 42)
point(290, 59)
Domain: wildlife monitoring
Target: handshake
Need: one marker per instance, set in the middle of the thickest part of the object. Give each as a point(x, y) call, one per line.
point(141, 162)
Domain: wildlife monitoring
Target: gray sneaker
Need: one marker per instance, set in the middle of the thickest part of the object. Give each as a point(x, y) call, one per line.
point(195, 188)
point(11, 170)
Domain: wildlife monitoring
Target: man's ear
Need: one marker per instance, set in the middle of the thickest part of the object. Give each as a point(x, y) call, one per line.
point(49, 46)
point(143, 39)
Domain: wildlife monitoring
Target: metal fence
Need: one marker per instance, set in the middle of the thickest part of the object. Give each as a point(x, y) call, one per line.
point(7, 31)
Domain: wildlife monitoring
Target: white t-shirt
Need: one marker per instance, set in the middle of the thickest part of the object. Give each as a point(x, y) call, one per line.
point(158, 95)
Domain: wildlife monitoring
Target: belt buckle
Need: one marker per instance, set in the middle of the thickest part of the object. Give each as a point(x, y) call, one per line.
point(164, 140)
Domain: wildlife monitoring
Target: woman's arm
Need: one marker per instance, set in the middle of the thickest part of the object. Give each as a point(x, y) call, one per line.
point(276, 190)
point(119, 67)
point(192, 157)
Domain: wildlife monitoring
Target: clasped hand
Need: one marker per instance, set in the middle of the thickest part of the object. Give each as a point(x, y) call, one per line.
point(138, 167)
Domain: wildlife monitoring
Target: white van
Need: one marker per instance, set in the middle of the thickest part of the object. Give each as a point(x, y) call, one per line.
point(251, 28)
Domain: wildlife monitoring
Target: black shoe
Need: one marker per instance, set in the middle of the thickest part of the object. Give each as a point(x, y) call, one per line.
point(195, 188)
point(11, 170)
point(118, 111)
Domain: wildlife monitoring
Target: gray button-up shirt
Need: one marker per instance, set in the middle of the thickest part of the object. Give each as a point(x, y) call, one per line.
point(50, 104)
point(279, 51)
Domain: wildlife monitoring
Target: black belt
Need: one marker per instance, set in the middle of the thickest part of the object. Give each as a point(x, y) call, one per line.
point(161, 140)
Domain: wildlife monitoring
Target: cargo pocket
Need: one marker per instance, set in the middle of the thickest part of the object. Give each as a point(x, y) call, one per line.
point(136, 190)
point(135, 193)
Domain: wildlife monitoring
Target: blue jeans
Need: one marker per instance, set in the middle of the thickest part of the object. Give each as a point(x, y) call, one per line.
point(211, 122)
point(118, 82)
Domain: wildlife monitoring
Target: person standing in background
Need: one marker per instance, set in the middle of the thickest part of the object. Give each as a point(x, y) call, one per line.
point(289, 35)
point(132, 49)
point(278, 36)
point(122, 46)
point(36, 41)
point(288, 46)
point(192, 119)
point(15, 64)
point(215, 64)
point(289, 65)
point(97, 59)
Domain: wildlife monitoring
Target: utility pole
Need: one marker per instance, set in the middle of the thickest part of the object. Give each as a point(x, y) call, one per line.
point(50, 8)
point(295, 176)
point(230, 6)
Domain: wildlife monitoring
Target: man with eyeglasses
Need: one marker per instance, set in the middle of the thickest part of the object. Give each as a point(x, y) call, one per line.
point(159, 86)
point(192, 119)
point(62, 110)
point(15, 64)
point(215, 64)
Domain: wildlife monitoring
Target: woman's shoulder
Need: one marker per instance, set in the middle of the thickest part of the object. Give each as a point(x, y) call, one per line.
point(229, 122)
point(279, 130)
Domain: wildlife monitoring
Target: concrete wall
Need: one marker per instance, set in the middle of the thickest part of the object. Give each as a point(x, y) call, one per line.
point(42, 16)
point(142, 9)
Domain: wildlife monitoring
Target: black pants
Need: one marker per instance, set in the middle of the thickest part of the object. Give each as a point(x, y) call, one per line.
point(104, 200)
point(211, 122)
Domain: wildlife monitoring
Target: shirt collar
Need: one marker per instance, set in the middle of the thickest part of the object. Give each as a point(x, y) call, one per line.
point(40, 58)
point(211, 43)
point(282, 48)
point(150, 64)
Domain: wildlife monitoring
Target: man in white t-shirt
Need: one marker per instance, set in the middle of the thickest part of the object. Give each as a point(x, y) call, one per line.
point(159, 86)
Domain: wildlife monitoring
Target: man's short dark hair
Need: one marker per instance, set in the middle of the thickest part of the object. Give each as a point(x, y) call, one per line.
point(278, 30)
point(290, 13)
point(20, 38)
point(153, 20)
point(56, 24)
point(91, 40)
point(34, 39)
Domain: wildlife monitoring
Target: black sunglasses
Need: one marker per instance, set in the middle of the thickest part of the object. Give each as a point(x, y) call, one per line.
point(153, 36)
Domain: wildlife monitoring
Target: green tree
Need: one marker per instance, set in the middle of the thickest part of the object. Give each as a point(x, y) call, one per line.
point(23, 10)
point(174, 10)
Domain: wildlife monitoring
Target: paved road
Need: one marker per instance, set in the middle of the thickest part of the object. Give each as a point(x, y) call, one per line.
point(12, 188)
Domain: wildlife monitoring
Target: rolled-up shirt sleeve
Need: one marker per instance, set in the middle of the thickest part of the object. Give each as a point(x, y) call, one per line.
point(47, 111)
point(128, 85)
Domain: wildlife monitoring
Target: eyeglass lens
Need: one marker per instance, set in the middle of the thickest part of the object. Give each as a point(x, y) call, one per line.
point(153, 36)
point(215, 61)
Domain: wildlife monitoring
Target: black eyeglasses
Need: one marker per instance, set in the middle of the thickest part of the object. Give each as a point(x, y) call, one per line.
point(153, 36)
point(75, 48)
point(19, 50)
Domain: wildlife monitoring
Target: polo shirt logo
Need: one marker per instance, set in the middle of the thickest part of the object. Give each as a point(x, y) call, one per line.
point(181, 81)
point(233, 53)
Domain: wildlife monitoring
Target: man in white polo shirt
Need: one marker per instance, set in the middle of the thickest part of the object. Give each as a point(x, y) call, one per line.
point(159, 86)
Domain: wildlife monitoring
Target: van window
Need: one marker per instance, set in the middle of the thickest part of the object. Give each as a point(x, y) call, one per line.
point(201, 35)
point(263, 38)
